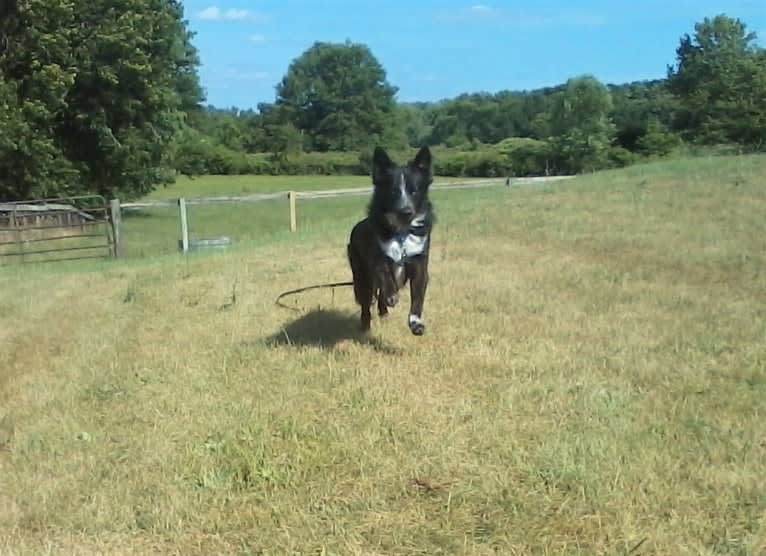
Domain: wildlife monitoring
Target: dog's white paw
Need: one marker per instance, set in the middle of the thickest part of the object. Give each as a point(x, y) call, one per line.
point(417, 326)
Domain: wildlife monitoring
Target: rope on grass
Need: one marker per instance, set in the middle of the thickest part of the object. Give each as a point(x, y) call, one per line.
point(307, 288)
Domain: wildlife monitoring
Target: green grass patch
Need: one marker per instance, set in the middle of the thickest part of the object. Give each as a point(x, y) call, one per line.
point(592, 381)
point(211, 186)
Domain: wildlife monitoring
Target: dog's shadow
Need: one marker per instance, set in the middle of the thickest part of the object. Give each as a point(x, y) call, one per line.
point(326, 329)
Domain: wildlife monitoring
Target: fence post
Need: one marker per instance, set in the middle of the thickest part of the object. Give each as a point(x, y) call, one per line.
point(184, 224)
point(17, 233)
point(116, 217)
point(293, 221)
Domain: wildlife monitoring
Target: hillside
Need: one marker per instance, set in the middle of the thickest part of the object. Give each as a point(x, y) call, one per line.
point(593, 380)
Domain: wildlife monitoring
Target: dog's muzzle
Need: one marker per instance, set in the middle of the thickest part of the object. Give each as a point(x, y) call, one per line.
point(400, 220)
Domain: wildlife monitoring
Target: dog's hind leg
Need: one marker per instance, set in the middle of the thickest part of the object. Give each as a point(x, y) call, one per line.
point(363, 287)
point(382, 307)
point(365, 300)
point(418, 274)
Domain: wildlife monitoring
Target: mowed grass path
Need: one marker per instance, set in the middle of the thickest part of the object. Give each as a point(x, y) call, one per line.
point(593, 381)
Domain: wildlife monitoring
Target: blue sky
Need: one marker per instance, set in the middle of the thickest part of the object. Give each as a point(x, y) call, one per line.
point(434, 50)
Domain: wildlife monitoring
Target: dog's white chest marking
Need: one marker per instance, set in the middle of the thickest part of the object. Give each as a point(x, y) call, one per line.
point(399, 248)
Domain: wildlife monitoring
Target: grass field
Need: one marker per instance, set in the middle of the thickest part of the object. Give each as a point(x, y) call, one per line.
point(155, 231)
point(208, 186)
point(592, 381)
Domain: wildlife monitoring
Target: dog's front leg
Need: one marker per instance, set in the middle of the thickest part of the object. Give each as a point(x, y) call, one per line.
point(388, 283)
point(418, 274)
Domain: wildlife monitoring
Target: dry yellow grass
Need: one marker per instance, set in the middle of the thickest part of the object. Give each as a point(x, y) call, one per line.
point(592, 381)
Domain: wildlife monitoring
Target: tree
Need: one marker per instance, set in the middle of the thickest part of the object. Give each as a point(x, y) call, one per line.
point(525, 156)
point(469, 118)
point(34, 81)
point(639, 106)
point(414, 120)
point(580, 125)
point(488, 118)
point(658, 140)
point(338, 96)
point(720, 81)
point(96, 91)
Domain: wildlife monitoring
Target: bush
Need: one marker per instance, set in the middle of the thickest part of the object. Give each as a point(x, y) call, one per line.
point(526, 157)
point(316, 163)
point(189, 158)
point(619, 157)
point(364, 159)
point(514, 156)
point(658, 140)
point(260, 164)
point(196, 156)
point(487, 163)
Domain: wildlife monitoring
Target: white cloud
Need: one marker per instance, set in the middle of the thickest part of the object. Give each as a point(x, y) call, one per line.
point(214, 13)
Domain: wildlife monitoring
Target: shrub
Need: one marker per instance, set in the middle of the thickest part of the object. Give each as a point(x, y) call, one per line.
point(658, 140)
point(327, 163)
point(619, 157)
point(487, 163)
point(526, 157)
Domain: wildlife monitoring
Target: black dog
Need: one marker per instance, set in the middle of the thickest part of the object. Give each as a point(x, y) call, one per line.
point(392, 244)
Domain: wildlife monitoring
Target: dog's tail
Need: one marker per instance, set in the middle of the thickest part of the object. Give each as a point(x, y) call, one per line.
point(305, 289)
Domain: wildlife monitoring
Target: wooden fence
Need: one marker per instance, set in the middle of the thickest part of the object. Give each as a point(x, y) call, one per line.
point(185, 244)
point(55, 230)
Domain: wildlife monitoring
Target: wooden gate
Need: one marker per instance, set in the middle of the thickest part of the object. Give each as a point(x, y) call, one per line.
point(54, 230)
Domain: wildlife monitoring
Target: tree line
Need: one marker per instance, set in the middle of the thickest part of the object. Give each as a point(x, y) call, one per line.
point(104, 97)
point(715, 95)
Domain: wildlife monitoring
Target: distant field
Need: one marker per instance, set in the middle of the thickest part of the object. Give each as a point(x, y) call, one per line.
point(593, 381)
point(206, 186)
point(155, 231)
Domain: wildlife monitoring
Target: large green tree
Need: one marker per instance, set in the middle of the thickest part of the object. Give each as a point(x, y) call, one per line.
point(36, 72)
point(720, 81)
point(93, 93)
point(582, 130)
point(337, 95)
point(640, 108)
point(489, 118)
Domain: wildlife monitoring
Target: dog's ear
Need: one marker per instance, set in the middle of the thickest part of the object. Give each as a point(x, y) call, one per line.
point(381, 164)
point(423, 162)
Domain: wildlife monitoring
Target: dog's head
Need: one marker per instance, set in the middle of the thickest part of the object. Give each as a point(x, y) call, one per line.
point(401, 192)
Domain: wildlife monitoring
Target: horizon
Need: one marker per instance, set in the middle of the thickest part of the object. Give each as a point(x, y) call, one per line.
point(245, 48)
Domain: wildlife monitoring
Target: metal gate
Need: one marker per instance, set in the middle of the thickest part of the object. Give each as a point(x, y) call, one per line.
point(54, 230)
